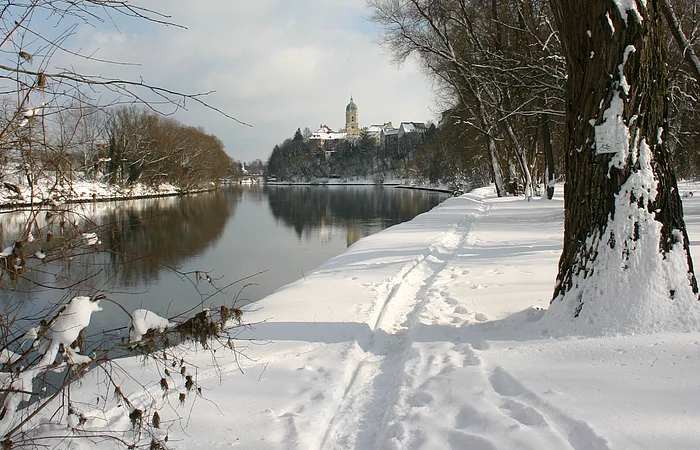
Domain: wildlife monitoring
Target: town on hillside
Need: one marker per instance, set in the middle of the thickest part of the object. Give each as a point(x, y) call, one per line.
point(383, 135)
point(377, 151)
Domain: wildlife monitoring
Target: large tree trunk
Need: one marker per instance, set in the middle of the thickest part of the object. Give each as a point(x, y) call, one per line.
point(625, 255)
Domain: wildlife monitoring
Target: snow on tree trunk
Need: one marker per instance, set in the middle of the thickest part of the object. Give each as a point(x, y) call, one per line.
point(625, 267)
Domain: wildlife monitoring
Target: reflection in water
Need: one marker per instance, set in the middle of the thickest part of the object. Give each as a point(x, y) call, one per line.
point(141, 241)
point(236, 232)
point(138, 239)
point(313, 211)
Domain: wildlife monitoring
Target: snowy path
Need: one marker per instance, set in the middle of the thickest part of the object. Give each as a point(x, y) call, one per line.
point(402, 393)
point(426, 336)
point(361, 419)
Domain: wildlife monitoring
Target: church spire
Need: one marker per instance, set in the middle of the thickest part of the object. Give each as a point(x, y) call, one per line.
point(352, 127)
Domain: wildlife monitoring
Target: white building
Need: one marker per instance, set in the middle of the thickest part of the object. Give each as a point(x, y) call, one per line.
point(411, 127)
point(325, 134)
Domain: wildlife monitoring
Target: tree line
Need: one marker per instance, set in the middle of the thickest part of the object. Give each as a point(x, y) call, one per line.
point(149, 148)
point(499, 72)
point(122, 145)
point(302, 159)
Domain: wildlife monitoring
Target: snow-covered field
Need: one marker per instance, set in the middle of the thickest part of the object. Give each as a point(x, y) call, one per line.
point(427, 336)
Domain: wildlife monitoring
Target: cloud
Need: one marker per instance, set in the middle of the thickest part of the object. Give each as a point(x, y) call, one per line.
point(275, 64)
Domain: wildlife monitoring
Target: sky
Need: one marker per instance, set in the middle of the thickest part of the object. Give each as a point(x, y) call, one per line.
point(274, 64)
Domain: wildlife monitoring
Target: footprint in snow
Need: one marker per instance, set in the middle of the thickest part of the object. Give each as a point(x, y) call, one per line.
point(470, 356)
point(524, 414)
point(451, 301)
point(552, 393)
point(461, 310)
point(420, 399)
point(481, 317)
point(462, 440)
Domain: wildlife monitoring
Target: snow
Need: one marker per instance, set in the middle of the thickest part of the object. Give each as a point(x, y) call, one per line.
point(408, 127)
point(610, 23)
point(31, 334)
point(71, 321)
point(432, 334)
point(612, 136)
point(31, 112)
point(630, 295)
point(621, 69)
point(8, 356)
point(90, 239)
point(78, 191)
point(63, 332)
point(73, 420)
point(143, 320)
point(629, 6)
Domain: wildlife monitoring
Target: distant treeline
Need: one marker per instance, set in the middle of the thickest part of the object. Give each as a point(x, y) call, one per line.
point(149, 148)
point(122, 145)
point(437, 156)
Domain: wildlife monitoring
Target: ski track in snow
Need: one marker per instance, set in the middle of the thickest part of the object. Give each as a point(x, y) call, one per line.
point(363, 415)
point(399, 394)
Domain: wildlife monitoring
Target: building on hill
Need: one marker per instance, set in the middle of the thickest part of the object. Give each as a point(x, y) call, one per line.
point(412, 127)
point(384, 135)
point(388, 137)
point(375, 132)
point(327, 139)
point(326, 133)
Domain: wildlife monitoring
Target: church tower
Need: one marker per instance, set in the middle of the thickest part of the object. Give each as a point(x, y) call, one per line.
point(352, 127)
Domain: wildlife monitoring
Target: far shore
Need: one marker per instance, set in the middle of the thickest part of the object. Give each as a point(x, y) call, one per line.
point(85, 192)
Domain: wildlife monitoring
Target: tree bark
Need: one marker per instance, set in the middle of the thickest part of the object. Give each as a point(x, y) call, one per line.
point(615, 200)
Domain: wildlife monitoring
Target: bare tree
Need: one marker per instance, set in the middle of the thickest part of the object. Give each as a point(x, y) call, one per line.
point(48, 115)
point(498, 62)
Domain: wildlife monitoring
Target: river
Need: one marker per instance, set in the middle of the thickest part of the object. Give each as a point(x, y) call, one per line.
point(265, 236)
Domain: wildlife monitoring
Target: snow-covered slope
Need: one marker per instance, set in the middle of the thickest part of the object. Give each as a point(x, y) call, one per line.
point(428, 336)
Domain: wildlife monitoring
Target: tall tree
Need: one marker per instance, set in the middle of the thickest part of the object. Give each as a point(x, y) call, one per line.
point(625, 265)
point(497, 66)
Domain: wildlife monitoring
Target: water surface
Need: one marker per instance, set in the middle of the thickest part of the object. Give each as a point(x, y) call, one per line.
point(148, 246)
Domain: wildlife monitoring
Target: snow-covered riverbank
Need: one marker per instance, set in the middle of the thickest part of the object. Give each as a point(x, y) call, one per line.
point(18, 196)
point(426, 336)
